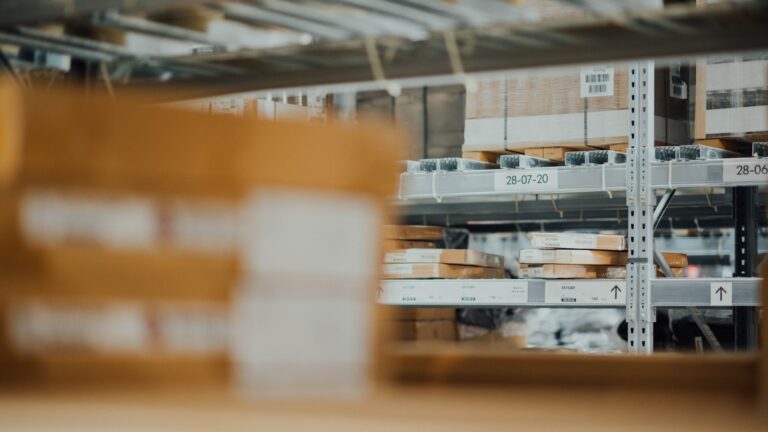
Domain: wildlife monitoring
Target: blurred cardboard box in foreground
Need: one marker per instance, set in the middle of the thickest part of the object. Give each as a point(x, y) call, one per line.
point(166, 243)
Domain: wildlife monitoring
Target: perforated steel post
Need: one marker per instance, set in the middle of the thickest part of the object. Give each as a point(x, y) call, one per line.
point(640, 206)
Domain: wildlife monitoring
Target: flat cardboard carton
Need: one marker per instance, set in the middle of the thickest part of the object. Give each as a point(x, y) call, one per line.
point(541, 240)
point(444, 256)
point(420, 314)
point(440, 271)
point(558, 271)
point(611, 272)
point(442, 330)
point(675, 259)
point(572, 256)
point(413, 232)
point(394, 245)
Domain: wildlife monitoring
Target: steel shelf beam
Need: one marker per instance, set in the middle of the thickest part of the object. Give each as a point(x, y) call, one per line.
point(698, 292)
point(452, 186)
point(534, 292)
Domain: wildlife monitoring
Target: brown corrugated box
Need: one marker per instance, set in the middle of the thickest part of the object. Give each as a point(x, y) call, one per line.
point(590, 257)
point(558, 271)
point(731, 97)
point(548, 109)
point(440, 271)
point(579, 271)
point(443, 330)
point(444, 256)
point(611, 272)
point(392, 245)
point(420, 314)
point(572, 256)
point(413, 232)
point(512, 335)
point(543, 240)
point(94, 146)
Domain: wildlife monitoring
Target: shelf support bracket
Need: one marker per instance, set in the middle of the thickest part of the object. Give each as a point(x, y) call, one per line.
point(640, 208)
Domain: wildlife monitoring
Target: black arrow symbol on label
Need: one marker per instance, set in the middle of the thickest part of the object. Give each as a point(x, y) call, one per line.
point(721, 291)
point(616, 290)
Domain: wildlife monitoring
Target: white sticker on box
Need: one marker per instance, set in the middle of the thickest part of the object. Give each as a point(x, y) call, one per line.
point(397, 269)
point(721, 294)
point(596, 80)
point(514, 180)
point(51, 217)
point(413, 256)
point(303, 232)
point(586, 292)
point(740, 171)
point(578, 241)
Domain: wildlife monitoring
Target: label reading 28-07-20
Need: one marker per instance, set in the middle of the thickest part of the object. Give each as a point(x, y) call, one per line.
point(514, 180)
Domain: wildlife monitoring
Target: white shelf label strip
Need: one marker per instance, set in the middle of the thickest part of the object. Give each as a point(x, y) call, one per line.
point(453, 292)
point(523, 180)
point(587, 292)
point(740, 171)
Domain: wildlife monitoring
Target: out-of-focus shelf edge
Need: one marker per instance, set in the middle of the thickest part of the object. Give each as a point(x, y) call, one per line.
point(665, 292)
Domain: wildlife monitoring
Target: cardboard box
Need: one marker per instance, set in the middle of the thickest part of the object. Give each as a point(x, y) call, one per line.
point(511, 334)
point(558, 271)
point(572, 256)
point(543, 240)
point(441, 271)
point(571, 107)
point(398, 313)
point(444, 256)
point(413, 232)
point(444, 330)
point(393, 245)
point(611, 272)
point(675, 259)
point(98, 157)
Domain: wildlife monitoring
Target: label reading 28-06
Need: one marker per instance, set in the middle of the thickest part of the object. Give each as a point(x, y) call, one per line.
point(514, 180)
point(751, 170)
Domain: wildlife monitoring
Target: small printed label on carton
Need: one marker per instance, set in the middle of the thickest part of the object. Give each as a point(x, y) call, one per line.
point(413, 256)
point(398, 269)
point(596, 80)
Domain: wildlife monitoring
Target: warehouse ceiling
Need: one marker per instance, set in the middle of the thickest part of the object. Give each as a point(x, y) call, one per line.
point(235, 46)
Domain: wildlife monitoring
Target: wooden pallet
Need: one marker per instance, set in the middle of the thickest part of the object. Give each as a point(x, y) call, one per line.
point(730, 144)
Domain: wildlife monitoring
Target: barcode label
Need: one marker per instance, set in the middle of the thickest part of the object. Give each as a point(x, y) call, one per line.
point(678, 89)
point(597, 80)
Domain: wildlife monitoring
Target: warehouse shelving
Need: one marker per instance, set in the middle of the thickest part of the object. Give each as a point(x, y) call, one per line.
point(442, 186)
point(538, 292)
point(346, 55)
point(647, 187)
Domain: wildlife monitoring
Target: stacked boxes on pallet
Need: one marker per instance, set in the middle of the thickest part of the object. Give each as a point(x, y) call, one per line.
point(545, 113)
point(731, 96)
point(581, 256)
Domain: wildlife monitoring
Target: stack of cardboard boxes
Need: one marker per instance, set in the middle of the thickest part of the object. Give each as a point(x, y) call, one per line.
point(434, 263)
point(581, 256)
point(545, 113)
point(181, 254)
point(424, 324)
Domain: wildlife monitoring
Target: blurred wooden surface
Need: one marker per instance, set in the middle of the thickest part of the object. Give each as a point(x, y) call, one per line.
point(420, 409)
